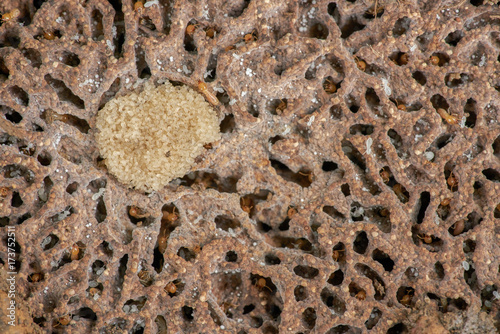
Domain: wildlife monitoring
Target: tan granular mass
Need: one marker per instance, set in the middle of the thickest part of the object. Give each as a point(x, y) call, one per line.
point(355, 187)
point(150, 138)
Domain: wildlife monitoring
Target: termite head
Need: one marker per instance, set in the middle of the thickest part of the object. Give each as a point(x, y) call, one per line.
point(361, 295)
point(329, 86)
point(139, 7)
point(13, 14)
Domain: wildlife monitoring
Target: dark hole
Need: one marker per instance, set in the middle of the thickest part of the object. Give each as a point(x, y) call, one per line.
point(346, 190)
point(383, 259)
point(256, 322)
point(306, 271)
point(476, 3)
point(363, 129)
point(44, 158)
point(302, 178)
point(336, 112)
point(401, 26)
point(332, 301)
point(272, 259)
point(425, 198)
point(63, 92)
point(13, 116)
point(354, 108)
point(100, 210)
point(225, 223)
point(454, 37)
point(285, 225)
point(86, 313)
point(157, 260)
point(398, 329)
point(69, 58)
point(231, 256)
point(264, 227)
point(336, 278)
point(419, 77)
point(72, 187)
point(300, 293)
point(309, 317)
point(318, 30)
point(332, 212)
point(237, 8)
point(187, 313)
point(122, 269)
point(274, 311)
point(470, 109)
point(439, 269)
point(353, 154)
point(16, 200)
point(186, 254)
point(360, 244)
point(373, 318)
point(492, 174)
point(39, 321)
point(228, 124)
point(248, 308)
point(49, 242)
point(350, 26)
point(145, 73)
point(23, 218)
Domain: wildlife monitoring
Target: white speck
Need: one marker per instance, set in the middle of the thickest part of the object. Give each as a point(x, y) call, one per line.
point(465, 265)
point(311, 120)
point(249, 72)
point(243, 94)
point(429, 155)
point(236, 56)
point(151, 3)
point(413, 47)
point(387, 89)
point(59, 20)
point(110, 45)
point(259, 90)
point(232, 102)
point(496, 295)
point(369, 143)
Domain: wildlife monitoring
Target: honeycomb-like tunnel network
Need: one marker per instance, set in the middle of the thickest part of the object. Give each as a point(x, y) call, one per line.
point(356, 187)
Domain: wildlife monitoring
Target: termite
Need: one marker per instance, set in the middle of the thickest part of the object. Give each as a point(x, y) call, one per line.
point(170, 216)
point(171, 288)
point(202, 87)
point(210, 32)
point(434, 60)
point(452, 181)
point(190, 29)
point(337, 254)
point(406, 299)
point(139, 7)
point(75, 252)
point(4, 191)
point(426, 238)
point(450, 119)
point(398, 190)
point(246, 204)
point(11, 15)
point(63, 321)
point(329, 86)
point(250, 37)
point(48, 35)
point(385, 175)
point(403, 59)
point(458, 227)
point(361, 295)
point(261, 283)
point(401, 107)
point(208, 146)
point(281, 107)
point(446, 201)
point(309, 175)
point(360, 63)
point(136, 212)
point(35, 277)
point(291, 212)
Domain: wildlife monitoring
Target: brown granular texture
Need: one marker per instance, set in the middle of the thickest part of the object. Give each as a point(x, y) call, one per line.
point(355, 187)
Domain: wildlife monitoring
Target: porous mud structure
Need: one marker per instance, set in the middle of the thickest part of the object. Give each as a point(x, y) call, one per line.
point(355, 188)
